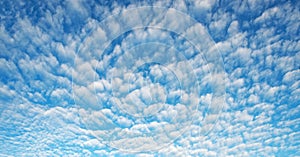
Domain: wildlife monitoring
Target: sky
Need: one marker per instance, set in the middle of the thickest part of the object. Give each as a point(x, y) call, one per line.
point(150, 78)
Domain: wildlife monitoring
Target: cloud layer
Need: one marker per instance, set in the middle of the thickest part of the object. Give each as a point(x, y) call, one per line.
point(193, 78)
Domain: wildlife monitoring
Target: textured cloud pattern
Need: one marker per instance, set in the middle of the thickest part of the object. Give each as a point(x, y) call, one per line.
point(150, 78)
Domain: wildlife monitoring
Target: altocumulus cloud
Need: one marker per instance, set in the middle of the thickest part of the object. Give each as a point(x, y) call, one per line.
point(76, 80)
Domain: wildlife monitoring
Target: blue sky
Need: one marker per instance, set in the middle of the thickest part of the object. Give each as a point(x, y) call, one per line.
point(150, 78)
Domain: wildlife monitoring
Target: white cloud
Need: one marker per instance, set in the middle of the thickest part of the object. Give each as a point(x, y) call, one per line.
point(243, 116)
point(260, 53)
point(233, 27)
point(291, 76)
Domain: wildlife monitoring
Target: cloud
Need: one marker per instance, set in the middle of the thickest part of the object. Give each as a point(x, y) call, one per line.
point(123, 78)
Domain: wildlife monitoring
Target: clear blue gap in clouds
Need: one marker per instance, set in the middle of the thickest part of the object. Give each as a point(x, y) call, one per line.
point(259, 42)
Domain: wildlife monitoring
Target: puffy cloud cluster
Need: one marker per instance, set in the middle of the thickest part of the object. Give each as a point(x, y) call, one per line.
point(88, 78)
